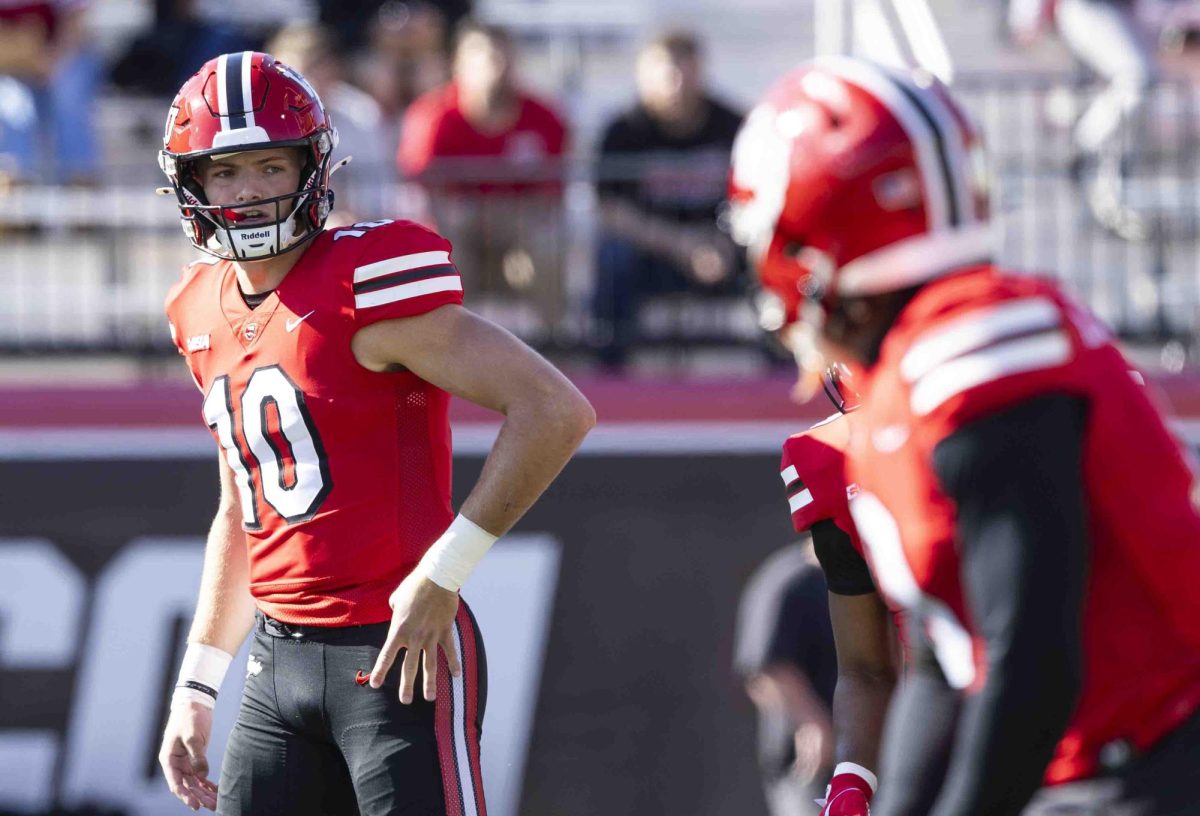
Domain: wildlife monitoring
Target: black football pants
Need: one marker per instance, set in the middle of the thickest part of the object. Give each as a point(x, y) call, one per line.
point(311, 740)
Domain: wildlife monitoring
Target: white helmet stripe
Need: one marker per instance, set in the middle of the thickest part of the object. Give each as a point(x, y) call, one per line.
point(951, 143)
point(247, 92)
point(916, 125)
point(222, 100)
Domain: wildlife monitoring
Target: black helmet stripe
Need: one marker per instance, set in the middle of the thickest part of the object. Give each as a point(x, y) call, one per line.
point(231, 102)
point(952, 179)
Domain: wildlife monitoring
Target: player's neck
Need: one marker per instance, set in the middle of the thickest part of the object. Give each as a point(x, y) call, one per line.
point(258, 277)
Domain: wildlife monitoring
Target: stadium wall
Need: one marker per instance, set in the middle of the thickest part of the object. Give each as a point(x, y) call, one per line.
point(608, 618)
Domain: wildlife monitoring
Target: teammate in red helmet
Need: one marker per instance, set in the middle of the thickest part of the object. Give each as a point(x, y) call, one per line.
point(326, 359)
point(1019, 491)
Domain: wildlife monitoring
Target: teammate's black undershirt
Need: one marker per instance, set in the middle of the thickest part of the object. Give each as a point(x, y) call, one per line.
point(846, 571)
point(1022, 527)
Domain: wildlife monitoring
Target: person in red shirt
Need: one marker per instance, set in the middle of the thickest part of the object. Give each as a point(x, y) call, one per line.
point(1020, 493)
point(327, 359)
point(490, 157)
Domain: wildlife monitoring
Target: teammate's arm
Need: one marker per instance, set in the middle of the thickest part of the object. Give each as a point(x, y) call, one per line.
point(545, 419)
point(863, 634)
point(224, 615)
point(926, 704)
point(1022, 530)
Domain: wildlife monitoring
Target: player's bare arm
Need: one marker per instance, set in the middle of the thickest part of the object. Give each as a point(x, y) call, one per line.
point(224, 614)
point(864, 633)
point(545, 420)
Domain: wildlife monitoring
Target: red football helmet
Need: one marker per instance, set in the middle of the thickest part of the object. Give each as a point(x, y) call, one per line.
point(851, 179)
point(235, 103)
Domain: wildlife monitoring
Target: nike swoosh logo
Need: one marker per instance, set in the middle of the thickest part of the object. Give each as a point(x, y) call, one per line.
point(361, 678)
point(292, 324)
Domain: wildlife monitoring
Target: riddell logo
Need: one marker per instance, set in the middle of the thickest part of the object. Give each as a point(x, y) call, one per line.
point(254, 236)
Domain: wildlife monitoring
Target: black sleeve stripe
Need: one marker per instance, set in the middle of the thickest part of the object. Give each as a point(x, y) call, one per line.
point(398, 278)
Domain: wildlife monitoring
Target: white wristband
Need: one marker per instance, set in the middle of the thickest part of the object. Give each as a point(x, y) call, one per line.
point(201, 674)
point(449, 561)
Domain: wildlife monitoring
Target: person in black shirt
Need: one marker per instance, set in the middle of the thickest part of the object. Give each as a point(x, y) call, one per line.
point(662, 174)
point(784, 653)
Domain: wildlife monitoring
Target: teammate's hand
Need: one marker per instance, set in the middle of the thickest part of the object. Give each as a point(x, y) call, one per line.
point(422, 617)
point(848, 795)
point(183, 755)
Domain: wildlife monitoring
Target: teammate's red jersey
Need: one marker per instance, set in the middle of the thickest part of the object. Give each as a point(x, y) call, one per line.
point(975, 344)
point(435, 128)
point(343, 473)
point(814, 475)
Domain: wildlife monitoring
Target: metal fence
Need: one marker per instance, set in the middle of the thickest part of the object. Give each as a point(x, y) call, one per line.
point(87, 269)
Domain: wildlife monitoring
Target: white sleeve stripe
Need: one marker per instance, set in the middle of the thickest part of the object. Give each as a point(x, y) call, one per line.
point(977, 329)
point(1023, 354)
point(405, 291)
point(802, 499)
point(402, 263)
point(789, 475)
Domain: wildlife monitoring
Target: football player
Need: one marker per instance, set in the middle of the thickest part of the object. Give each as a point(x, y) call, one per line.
point(814, 477)
point(326, 359)
point(1020, 493)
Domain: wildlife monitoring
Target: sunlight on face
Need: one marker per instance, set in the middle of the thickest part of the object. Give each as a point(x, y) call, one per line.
point(241, 178)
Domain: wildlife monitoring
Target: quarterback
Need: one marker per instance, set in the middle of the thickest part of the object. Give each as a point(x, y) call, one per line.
point(1020, 494)
point(326, 360)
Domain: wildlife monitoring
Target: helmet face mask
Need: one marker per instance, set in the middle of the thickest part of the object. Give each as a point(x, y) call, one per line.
point(238, 103)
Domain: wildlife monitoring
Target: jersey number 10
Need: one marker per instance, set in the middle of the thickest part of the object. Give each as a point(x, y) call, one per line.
point(289, 459)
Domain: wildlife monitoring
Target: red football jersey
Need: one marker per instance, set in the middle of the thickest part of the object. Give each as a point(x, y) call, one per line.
point(975, 344)
point(814, 475)
point(343, 473)
point(435, 128)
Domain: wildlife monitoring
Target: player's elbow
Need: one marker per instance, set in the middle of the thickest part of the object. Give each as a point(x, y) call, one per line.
point(555, 410)
point(574, 415)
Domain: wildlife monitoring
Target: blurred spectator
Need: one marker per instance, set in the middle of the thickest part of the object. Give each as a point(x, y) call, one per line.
point(353, 21)
point(785, 655)
point(161, 58)
point(490, 156)
point(48, 78)
point(407, 54)
point(1109, 39)
point(662, 172)
point(362, 132)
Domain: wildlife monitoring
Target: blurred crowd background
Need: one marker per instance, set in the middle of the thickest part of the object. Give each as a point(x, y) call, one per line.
point(576, 154)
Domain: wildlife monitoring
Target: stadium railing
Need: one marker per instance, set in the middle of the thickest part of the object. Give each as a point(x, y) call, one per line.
point(86, 270)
